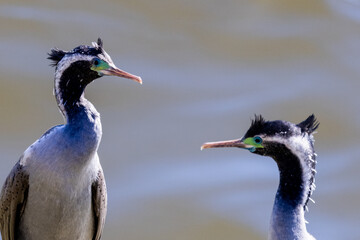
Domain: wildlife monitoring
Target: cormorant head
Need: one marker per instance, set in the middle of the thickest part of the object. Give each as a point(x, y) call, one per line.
point(77, 68)
point(86, 62)
point(270, 138)
point(290, 145)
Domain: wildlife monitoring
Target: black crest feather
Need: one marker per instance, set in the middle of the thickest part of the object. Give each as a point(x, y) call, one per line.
point(309, 125)
point(56, 55)
point(258, 121)
point(100, 42)
point(257, 125)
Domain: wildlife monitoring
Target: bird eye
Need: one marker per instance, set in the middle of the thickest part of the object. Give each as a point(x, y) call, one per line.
point(258, 140)
point(96, 62)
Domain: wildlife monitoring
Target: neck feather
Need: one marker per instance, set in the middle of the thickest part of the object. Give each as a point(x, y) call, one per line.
point(295, 187)
point(71, 80)
point(296, 162)
point(287, 221)
point(83, 127)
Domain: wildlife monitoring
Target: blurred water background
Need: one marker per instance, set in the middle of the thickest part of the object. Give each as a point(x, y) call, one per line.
point(208, 67)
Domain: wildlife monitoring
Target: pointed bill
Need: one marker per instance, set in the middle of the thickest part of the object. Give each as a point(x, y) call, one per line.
point(114, 71)
point(229, 143)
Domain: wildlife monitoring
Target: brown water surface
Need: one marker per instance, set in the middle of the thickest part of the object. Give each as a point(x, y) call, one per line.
point(207, 67)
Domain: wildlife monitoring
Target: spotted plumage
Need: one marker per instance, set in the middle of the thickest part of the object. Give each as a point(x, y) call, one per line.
point(292, 148)
point(57, 189)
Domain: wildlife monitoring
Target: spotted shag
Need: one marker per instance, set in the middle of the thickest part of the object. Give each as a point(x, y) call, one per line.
point(292, 148)
point(57, 189)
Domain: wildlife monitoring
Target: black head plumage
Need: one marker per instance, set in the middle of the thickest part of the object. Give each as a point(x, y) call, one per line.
point(56, 54)
point(260, 126)
point(257, 123)
point(257, 126)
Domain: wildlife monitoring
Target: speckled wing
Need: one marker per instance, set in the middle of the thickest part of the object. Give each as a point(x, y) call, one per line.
point(13, 200)
point(99, 197)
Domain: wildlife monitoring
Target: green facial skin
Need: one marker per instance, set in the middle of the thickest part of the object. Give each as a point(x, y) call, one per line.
point(101, 66)
point(251, 141)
